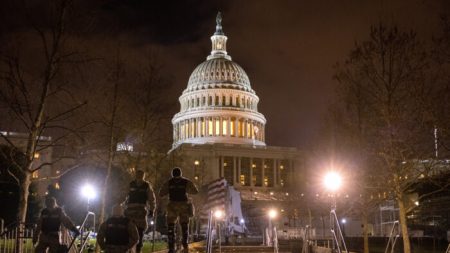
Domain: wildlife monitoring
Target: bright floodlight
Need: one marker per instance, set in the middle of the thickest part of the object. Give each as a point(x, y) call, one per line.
point(272, 213)
point(242, 221)
point(88, 191)
point(332, 181)
point(344, 221)
point(218, 214)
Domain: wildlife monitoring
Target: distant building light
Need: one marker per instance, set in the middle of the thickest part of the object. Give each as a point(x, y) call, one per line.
point(416, 203)
point(271, 193)
point(287, 193)
point(255, 193)
point(124, 146)
point(57, 186)
point(196, 162)
point(35, 174)
point(36, 155)
point(196, 177)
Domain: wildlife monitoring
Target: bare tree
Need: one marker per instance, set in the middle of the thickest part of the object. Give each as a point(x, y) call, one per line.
point(385, 90)
point(34, 89)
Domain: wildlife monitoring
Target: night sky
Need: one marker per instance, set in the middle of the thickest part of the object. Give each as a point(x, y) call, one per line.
point(287, 48)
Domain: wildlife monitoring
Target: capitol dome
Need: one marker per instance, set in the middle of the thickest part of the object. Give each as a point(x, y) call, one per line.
point(219, 105)
point(219, 73)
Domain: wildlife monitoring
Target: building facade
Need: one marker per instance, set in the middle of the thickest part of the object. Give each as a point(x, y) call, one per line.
point(219, 132)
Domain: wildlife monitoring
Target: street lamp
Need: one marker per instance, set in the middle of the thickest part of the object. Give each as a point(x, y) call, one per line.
point(218, 215)
point(333, 182)
point(272, 214)
point(89, 193)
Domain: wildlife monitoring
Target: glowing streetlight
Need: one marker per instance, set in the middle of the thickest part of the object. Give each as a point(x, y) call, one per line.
point(218, 214)
point(272, 213)
point(89, 193)
point(332, 181)
point(242, 221)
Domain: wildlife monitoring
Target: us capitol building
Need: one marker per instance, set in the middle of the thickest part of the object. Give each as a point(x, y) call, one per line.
point(220, 133)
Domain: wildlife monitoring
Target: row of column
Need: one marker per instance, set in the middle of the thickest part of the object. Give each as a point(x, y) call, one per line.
point(279, 169)
point(216, 100)
point(218, 126)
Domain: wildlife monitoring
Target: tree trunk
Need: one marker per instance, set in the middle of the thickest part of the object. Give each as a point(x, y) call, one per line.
point(24, 188)
point(404, 226)
point(365, 232)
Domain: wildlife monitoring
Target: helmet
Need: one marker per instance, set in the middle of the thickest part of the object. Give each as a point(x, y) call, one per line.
point(176, 172)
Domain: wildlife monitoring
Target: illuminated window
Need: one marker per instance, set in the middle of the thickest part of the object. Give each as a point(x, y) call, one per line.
point(266, 182)
point(217, 127)
point(36, 155)
point(182, 131)
point(203, 127)
point(232, 127)
point(242, 179)
point(224, 127)
point(248, 130)
point(35, 174)
point(192, 128)
point(210, 127)
point(186, 130)
point(57, 186)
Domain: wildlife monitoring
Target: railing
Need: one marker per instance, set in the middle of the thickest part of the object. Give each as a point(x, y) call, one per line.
point(275, 239)
point(336, 232)
point(393, 236)
point(17, 238)
point(85, 232)
point(306, 240)
point(209, 234)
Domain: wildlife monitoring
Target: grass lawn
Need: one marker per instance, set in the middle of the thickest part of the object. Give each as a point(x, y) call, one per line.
point(29, 247)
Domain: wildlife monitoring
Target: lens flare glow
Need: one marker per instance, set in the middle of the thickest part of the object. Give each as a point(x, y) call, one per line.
point(332, 181)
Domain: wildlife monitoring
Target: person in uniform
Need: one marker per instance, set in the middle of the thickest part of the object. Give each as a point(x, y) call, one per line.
point(179, 206)
point(117, 234)
point(47, 234)
point(140, 203)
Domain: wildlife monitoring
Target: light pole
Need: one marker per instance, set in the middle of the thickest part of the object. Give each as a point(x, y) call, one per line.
point(332, 182)
point(218, 216)
point(272, 214)
point(88, 192)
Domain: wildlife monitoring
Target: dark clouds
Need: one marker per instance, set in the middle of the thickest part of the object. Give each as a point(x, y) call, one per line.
point(287, 48)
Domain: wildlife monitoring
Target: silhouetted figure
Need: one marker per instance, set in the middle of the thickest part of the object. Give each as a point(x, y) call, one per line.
point(179, 206)
point(47, 234)
point(118, 234)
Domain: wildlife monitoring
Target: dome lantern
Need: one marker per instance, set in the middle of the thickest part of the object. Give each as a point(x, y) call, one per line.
point(219, 41)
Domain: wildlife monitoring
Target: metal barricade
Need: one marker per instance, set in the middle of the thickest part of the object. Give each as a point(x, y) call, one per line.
point(17, 238)
point(393, 236)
